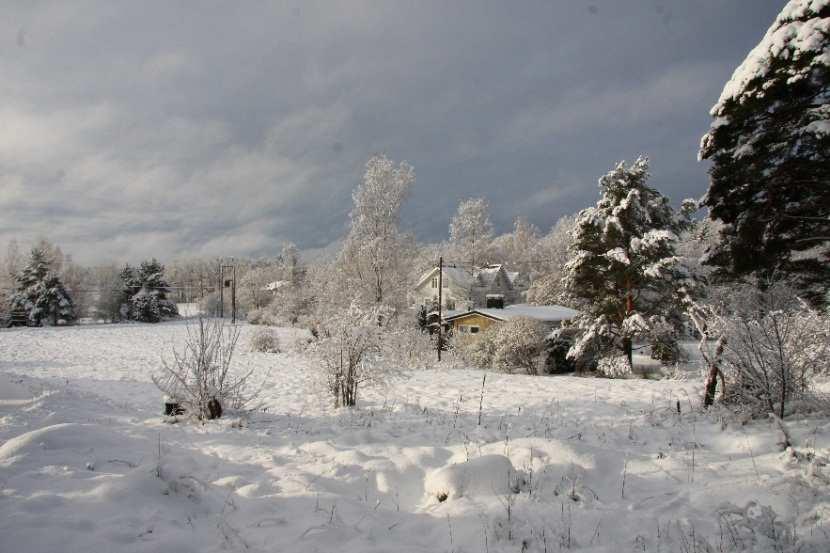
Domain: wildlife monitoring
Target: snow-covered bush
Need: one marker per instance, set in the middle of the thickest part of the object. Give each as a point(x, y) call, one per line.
point(408, 348)
point(477, 350)
point(200, 375)
point(556, 348)
point(614, 366)
point(756, 527)
point(517, 344)
point(348, 352)
point(262, 316)
point(265, 340)
point(771, 344)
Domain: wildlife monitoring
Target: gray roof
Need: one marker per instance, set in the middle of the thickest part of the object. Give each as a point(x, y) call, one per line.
point(544, 313)
point(459, 276)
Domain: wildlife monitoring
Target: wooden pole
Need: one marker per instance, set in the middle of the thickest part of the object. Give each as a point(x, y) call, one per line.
point(233, 297)
point(221, 290)
point(440, 297)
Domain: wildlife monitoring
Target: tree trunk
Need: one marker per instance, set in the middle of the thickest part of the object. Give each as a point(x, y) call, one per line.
point(711, 386)
point(629, 308)
point(628, 348)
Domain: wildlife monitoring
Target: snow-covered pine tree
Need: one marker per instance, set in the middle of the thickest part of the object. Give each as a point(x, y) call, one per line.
point(770, 150)
point(41, 294)
point(471, 232)
point(623, 273)
point(145, 293)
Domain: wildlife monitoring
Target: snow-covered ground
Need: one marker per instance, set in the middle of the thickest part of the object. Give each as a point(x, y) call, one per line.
point(88, 464)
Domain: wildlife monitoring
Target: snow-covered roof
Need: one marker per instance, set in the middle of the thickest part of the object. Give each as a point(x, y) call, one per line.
point(545, 313)
point(276, 285)
point(457, 275)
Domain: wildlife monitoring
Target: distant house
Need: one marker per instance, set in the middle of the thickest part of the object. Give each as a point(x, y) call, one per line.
point(477, 320)
point(490, 286)
point(274, 286)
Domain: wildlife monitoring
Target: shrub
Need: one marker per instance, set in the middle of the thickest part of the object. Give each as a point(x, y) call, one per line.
point(556, 353)
point(615, 366)
point(518, 344)
point(409, 348)
point(771, 346)
point(200, 378)
point(265, 340)
point(478, 349)
point(348, 352)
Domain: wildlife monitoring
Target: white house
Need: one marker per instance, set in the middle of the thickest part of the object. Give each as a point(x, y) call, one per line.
point(490, 286)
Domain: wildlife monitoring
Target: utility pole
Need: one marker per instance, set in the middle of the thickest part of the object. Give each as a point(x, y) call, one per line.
point(232, 286)
point(440, 317)
point(233, 297)
point(221, 291)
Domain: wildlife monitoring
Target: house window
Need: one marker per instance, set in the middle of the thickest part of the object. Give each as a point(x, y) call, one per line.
point(435, 282)
point(463, 329)
point(450, 303)
point(474, 330)
point(445, 283)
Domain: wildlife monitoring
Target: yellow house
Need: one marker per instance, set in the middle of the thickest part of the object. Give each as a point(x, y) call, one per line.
point(479, 320)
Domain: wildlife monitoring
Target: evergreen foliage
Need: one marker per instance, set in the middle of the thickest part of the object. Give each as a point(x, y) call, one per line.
point(40, 293)
point(623, 273)
point(145, 293)
point(770, 150)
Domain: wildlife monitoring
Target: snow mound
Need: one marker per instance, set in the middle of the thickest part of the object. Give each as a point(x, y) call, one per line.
point(486, 475)
point(13, 392)
point(66, 443)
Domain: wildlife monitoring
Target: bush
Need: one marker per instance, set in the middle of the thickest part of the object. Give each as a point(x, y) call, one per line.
point(200, 378)
point(615, 366)
point(518, 344)
point(265, 340)
point(261, 316)
point(770, 347)
point(477, 350)
point(556, 353)
point(348, 352)
point(409, 348)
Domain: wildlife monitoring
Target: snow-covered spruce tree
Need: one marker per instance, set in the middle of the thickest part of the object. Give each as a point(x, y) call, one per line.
point(373, 265)
point(623, 273)
point(41, 294)
point(770, 150)
point(471, 232)
point(145, 293)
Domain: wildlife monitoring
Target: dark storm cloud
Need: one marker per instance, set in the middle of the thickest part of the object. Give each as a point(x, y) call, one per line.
point(135, 129)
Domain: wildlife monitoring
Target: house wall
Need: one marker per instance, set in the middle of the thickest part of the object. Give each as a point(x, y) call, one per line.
point(424, 294)
point(474, 319)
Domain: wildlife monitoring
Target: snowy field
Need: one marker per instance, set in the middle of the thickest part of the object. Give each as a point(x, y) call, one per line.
point(554, 463)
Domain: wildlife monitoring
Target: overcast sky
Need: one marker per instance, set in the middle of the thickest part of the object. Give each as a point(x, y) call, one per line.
point(133, 129)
